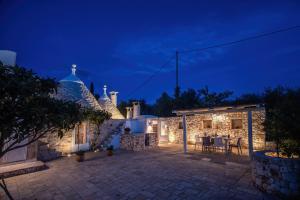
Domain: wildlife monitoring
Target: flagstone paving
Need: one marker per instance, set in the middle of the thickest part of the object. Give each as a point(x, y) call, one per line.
point(157, 174)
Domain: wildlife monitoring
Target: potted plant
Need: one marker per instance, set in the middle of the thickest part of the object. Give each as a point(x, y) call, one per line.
point(80, 156)
point(110, 150)
point(127, 130)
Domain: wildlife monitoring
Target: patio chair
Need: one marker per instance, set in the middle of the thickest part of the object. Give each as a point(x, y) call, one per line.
point(238, 145)
point(197, 141)
point(206, 143)
point(218, 143)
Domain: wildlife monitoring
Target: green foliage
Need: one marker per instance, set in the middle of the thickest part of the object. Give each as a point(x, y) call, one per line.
point(211, 99)
point(27, 110)
point(282, 123)
point(164, 105)
point(97, 117)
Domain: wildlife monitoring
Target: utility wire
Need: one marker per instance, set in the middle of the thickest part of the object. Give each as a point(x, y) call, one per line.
point(211, 47)
point(241, 40)
point(150, 77)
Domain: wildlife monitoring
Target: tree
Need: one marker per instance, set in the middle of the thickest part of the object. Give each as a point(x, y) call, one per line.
point(282, 123)
point(250, 98)
point(92, 88)
point(29, 111)
point(164, 105)
point(97, 118)
point(189, 99)
point(211, 99)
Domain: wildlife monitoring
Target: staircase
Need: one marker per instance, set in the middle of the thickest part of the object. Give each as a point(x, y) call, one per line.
point(109, 130)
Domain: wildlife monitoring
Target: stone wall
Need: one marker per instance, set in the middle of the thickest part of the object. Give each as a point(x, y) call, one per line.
point(51, 146)
point(221, 125)
point(136, 142)
point(279, 176)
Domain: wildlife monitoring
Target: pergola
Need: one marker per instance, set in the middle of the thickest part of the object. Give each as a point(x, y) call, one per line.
point(218, 110)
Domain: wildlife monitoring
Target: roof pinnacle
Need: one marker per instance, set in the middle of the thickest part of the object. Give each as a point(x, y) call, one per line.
point(74, 69)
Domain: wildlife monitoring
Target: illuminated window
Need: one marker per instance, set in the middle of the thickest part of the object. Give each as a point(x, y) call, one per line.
point(236, 124)
point(207, 123)
point(180, 125)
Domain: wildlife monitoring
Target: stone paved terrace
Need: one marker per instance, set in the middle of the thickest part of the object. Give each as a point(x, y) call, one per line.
point(157, 174)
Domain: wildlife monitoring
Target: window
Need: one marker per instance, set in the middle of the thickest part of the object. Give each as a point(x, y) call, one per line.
point(80, 134)
point(236, 124)
point(180, 125)
point(207, 123)
point(154, 128)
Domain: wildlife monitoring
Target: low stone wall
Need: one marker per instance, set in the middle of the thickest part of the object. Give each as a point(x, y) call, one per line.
point(279, 176)
point(136, 142)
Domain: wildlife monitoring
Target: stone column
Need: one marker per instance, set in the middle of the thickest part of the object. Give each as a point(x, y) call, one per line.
point(136, 109)
point(113, 97)
point(250, 139)
point(128, 112)
point(184, 133)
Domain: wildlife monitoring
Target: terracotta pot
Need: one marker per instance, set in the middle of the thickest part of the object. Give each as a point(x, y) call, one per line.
point(109, 152)
point(80, 158)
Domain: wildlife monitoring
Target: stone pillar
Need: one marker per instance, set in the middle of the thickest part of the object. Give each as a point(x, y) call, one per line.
point(128, 112)
point(184, 133)
point(136, 109)
point(250, 139)
point(113, 97)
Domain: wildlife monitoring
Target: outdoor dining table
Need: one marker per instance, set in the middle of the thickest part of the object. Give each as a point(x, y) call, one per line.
point(227, 142)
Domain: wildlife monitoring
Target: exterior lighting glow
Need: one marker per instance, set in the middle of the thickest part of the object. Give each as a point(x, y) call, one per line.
point(69, 155)
point(172, 137)
point(218, 118)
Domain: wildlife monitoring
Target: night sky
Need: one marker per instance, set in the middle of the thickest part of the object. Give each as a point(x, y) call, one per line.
point(122, 43)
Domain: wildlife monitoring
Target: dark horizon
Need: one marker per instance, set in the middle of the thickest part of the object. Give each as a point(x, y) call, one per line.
point(122, 44)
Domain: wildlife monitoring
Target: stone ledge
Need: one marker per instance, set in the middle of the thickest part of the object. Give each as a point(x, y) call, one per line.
point(20, 168)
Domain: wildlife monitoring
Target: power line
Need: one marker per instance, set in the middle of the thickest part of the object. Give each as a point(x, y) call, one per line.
point(206, 48)
point(150, 77)
point(241, 40)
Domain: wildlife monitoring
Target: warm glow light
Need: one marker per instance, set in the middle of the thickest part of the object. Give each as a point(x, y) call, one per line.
point(218, 118)
point(171, 137)
point(69, 155)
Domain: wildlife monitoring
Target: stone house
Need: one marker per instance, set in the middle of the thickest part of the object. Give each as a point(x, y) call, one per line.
point(222, 121)
point(71, 88)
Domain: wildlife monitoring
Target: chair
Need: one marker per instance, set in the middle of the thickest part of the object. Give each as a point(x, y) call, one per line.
point(206, 143)
point(197, 141)
point(218, 143)
point(238, 145)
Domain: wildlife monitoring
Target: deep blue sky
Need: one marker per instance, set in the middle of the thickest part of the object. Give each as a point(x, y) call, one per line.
point(121, 43)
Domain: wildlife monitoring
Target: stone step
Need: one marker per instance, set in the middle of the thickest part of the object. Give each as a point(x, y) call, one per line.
point(19, 168)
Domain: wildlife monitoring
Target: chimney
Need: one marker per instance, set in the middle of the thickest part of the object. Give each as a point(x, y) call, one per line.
point(128, 112)
point(136, 109)
point(113, 97)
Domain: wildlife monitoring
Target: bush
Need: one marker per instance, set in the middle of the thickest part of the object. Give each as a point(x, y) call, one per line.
point(290, 148)
point(282, 123)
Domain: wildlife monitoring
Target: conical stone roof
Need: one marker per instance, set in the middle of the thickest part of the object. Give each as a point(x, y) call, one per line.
point(106, 104)
point(71, 88)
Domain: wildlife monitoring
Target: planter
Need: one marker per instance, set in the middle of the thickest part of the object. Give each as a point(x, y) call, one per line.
point(109, 152)
point(79, 156)
point(277, 176)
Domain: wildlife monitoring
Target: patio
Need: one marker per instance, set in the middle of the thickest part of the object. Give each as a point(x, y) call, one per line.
point(165, 173)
